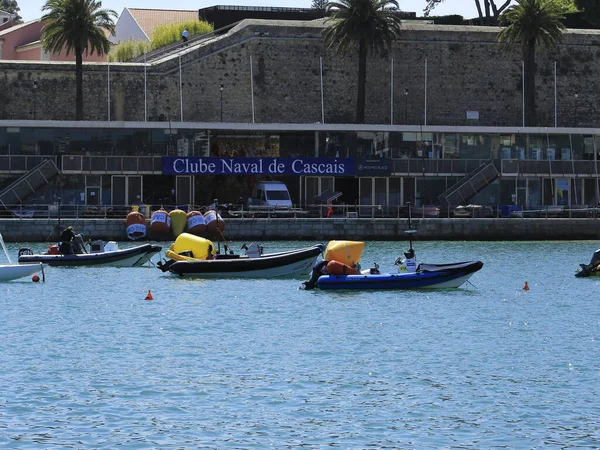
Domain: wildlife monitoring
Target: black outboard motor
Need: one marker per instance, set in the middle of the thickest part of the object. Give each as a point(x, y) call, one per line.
point(591, 268)
point(317, 271)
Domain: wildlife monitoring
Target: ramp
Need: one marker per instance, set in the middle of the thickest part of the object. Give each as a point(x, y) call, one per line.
point(26, 185)
point(473, 183)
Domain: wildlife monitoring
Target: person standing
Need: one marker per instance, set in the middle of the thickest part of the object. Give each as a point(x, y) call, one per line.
point(184, 35)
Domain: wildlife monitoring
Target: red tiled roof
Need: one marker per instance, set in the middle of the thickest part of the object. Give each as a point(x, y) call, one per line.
point(149, 19)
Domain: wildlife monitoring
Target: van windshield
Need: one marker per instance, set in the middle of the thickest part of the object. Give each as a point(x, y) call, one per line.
point(278, 195)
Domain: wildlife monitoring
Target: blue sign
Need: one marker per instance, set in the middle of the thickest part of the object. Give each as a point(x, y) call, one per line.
point(173, 165)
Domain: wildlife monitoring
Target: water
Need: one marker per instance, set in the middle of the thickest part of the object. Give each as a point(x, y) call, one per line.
point(88, 363)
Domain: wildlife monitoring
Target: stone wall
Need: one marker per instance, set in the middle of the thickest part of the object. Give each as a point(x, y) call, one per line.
point(466, 71)
point(47, 230)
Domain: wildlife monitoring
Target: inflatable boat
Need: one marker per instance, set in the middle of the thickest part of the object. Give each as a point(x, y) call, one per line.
point(98, 255)
point(194, 256)
point(340, 269)
point(425, 276)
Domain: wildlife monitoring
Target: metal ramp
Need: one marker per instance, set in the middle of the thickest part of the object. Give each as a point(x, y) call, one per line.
point(26, 185)
point(473, 183)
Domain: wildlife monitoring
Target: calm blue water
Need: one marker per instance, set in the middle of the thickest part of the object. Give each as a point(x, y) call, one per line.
point(86, 362)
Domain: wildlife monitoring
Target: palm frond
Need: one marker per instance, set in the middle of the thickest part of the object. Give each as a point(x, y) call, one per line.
point(77, 26)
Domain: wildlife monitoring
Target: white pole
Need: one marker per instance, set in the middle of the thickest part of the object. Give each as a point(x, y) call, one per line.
point(425, 120)
point(145, 90)
point(322, 91)
point(108, 85)
point(555, 99)
point(180, 91)
point(252, 88)
point(523, 85)
point(392, 91)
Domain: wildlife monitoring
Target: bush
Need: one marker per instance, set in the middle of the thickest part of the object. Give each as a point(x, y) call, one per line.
point(127, 50)
point(167, 34)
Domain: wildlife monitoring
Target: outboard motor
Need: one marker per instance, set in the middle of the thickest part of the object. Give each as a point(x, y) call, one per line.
point(317, 270)
point(591, 268)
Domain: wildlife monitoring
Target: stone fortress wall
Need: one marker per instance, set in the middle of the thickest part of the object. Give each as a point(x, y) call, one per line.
point(466, 71)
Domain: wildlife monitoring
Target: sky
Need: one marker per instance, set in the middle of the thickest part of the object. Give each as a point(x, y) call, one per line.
point(32, 9)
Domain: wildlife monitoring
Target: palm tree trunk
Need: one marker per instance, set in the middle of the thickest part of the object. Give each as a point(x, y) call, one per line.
point(78, 84)
point(362, 81)
point(530, 69)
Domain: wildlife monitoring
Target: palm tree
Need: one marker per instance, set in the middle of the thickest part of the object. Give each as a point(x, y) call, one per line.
point(370, 25)
point(77, 26)
point(532, 23)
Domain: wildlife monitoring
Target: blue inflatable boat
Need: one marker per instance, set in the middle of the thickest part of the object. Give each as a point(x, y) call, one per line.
point(409, 276)
point(426, 276)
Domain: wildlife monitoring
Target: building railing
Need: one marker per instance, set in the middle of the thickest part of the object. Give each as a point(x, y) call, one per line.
point(358, 211)
point(21, 163)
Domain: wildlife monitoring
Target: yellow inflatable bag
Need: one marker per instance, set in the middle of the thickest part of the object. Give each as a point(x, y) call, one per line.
point(346, 252)
point(199, 246)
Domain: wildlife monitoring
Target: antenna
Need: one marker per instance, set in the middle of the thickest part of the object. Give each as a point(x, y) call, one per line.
point(411, 252)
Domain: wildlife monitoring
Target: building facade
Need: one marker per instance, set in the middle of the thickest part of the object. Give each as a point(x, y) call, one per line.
point(386, 167)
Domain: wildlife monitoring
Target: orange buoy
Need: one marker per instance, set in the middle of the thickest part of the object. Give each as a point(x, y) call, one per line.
point(35, 278)
point(214, 224)
point(196, 224)
point(160, 224)
point(135, 224)
point(149, 296)
point(526, 286)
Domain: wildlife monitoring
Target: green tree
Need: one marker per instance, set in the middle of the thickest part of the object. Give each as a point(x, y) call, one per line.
point(487, 10)
point(366, 26)
point(11, 6)
point(531, 24)
point(590, 10)
point(77, 26)
point(318, 4)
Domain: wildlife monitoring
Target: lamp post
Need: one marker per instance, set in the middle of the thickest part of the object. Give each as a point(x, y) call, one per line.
point(35, 86)
point(405, 105)
point(221, 87)
point(576, 105)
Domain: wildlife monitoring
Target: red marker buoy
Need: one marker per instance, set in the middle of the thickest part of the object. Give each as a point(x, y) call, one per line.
point(35, 278)
point(149, 296)
point(526, 286)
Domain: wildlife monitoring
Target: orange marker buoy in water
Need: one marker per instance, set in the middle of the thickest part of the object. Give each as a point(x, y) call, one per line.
point(149, 296)
point(526, 286)
point(35, 278)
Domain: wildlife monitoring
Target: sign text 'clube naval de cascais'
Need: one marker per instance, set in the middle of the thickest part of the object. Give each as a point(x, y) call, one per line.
point(173, 165)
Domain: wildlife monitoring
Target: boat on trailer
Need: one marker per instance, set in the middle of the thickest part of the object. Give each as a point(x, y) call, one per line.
point(10, 271)
point(100, 254)
point(194, 256)
point(409, 276)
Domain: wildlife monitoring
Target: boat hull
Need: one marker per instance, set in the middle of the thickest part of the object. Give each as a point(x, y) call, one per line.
point(295, 263)
point(438, 276)
point(9, 272)
point(130, 257)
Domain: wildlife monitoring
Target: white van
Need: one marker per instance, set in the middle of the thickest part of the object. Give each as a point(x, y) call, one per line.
point(270, 193)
